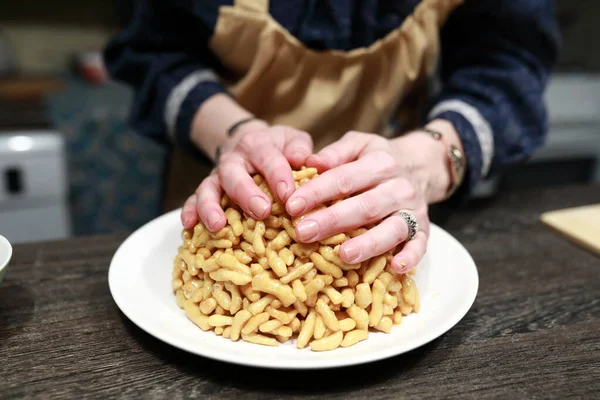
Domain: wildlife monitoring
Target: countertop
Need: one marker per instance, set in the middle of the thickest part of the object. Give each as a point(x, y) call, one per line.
point(534, 330)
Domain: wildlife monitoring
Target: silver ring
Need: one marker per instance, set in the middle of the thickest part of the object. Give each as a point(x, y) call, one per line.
point(411, 221)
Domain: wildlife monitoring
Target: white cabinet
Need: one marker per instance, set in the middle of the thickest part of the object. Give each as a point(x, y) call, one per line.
point(33, 186)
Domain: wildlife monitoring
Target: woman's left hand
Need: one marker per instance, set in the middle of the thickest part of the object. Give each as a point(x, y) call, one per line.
point(386, 176)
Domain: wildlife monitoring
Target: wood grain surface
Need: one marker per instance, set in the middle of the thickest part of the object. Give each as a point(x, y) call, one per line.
point(533, 332)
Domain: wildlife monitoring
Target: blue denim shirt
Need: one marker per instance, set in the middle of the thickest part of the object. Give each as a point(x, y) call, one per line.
point(496, 57)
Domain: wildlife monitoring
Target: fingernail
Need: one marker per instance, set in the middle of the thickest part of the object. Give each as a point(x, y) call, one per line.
point(297, 205)
point(298, 156)
point(282, 189)
point(402, 267)
point(213, 219)
point(313, 158)
point(352, 252)
point(187, 220)
point(307, 230)
point(259, 206)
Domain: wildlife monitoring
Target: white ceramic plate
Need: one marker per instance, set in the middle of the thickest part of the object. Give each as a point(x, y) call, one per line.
point(140, 283)
point(5, 255)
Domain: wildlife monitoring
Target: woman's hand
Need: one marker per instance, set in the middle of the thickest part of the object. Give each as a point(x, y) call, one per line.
point(271, 151)
point(386, 176)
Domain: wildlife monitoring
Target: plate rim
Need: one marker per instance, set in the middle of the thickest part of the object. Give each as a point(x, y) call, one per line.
point(5, 244)
point(429, 336)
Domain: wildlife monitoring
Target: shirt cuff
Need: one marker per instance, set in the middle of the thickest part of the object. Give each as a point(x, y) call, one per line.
point(183, 103)
point(477, 145)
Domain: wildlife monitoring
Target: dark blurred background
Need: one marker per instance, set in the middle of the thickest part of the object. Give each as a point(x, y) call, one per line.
point(69, 164)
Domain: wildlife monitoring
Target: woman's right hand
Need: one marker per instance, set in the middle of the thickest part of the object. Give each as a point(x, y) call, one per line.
point(272, 152)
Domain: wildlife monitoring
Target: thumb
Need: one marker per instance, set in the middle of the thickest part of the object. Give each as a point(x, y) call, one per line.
point(345, 150)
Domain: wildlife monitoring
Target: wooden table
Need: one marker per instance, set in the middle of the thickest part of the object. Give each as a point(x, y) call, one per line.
point(534, 330)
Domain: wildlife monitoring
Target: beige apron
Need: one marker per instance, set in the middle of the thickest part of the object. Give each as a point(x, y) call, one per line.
point(325, 93)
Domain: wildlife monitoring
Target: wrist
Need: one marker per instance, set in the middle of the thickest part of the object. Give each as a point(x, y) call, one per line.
point(456, 163)
point(212, 121)
point(234, 135)
point(427, 159)
point(424, 161)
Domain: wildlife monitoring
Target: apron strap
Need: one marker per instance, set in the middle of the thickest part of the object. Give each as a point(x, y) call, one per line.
point(259, 6)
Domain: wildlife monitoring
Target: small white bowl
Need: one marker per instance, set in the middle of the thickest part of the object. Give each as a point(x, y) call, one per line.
point(5, 255)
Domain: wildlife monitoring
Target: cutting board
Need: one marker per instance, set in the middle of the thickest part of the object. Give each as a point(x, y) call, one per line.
point(580, 225)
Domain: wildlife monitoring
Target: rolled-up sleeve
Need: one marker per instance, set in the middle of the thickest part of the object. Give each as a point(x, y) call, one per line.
point(162, 53)
point(496, 58)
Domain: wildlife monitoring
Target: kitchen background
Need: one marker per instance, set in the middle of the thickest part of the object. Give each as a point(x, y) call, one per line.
point(69, 164)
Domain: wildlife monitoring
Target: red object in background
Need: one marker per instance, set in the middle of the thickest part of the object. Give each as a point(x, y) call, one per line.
point(90, 66)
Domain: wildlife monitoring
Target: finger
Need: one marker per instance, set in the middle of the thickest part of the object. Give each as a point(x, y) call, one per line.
point(189, 215)
point(208, 203)
point(410, 255)
point(339, 182)
point(237, 183)
point(347, 149)
point(349, 214)
point(388, 234)
point(298, 146)
point(271, 163)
